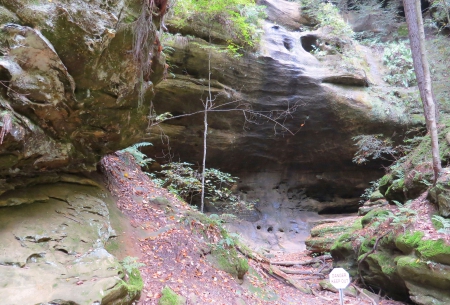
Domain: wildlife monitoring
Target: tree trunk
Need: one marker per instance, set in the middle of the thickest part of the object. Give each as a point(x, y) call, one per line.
point(414, 20)
point(208, 104)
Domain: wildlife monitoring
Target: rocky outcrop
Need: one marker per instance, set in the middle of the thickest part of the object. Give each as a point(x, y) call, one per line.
point(325, 101)
point(52, 243)
point(69, 88)
point(68, 85)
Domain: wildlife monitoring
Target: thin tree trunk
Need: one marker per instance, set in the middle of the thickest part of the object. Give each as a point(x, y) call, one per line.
point(414, 20)
point(205, 132)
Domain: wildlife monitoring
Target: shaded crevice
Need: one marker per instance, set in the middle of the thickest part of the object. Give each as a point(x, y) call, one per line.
point(309, 42)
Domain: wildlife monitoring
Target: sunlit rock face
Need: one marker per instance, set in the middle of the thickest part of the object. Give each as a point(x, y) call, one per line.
point(68, 85)
point(325, 101)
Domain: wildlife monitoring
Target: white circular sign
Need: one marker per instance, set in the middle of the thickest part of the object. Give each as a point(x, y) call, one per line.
point(339, 278)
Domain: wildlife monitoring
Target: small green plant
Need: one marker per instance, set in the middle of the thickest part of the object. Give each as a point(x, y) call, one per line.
point(130, 264)
point(139, 157)
point(240, 18)
point(169, 297)
point(441, 223)
point(134, 284)
point(368, 191)
point(327, 15)
point(181, 179)
point(398, 59)
point(373, 147)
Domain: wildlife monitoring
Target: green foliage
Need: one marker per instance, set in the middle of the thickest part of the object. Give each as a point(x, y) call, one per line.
point(228, 260)
point(140, 158)
point(239, 17)
point(441, 223)
point(130, 263)
point(368, 191)
point(372, 146)
point(181, 179)
point(440, 11)
point(135, 284)
point(411, 240)
point(327, 15)
point(398, 59)
point(429, 249)
point(229, 240)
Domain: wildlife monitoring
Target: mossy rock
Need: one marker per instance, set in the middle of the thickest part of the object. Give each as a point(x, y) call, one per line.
point(379, 270)
point(435, 250)
point(229, 261)
point(440, 195)
point(376, 196)
point(408, 242)
point(372, 215)
point(327, 229)
point(385, 183)
point(427, 281)
point(169, 297)
point(418, 179)
point(324, 235)
point(369, 206)
point(396, 191)
point(344, 255)
point(320, 244)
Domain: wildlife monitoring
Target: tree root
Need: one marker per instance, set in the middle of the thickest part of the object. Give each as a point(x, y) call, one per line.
point(364, 294)
point(274, 270)
point(253, 255)
point(312, 261)
point(292, 271)
point(368, 253)
point(319, 296)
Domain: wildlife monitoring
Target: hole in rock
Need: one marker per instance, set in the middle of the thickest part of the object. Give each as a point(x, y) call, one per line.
point(276, 27)
point(309, 42)
point(270, 229)
point(281, 230)
point(288, 44)
point(258, 227)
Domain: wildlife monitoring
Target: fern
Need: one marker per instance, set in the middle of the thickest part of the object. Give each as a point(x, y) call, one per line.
point(130, 263)
point(444, 222)
point(140, 158)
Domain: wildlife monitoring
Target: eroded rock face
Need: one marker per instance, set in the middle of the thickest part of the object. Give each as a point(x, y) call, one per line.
point(326, 103)
point(68, 85)
point(52, 248)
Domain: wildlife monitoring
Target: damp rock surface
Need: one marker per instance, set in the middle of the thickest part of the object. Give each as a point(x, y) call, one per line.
point(52, 249)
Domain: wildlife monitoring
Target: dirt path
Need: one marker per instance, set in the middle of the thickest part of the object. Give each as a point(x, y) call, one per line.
point(174, 246)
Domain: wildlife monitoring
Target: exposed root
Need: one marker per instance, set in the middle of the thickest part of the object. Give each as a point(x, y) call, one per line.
point(274, 270)
point(364, 294)
point(368, 253)
point(317, 259)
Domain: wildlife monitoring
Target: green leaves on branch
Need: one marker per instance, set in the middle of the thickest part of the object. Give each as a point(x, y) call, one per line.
point(181, 179)
point(398, 59)
point(239, 17)
point(373, 147)
point(140, 158)
point(327, 15)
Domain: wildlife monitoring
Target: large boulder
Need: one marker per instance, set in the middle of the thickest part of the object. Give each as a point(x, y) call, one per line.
point(68, 85)
point(52, 241)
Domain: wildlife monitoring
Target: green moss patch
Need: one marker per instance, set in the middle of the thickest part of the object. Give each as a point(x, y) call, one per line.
point(229, 261)
point(169, 297)
point(408, 242)
point(435, 250)
point(375, 213)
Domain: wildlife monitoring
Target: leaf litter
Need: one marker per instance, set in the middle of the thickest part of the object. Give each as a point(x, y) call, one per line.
point(174, 245)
